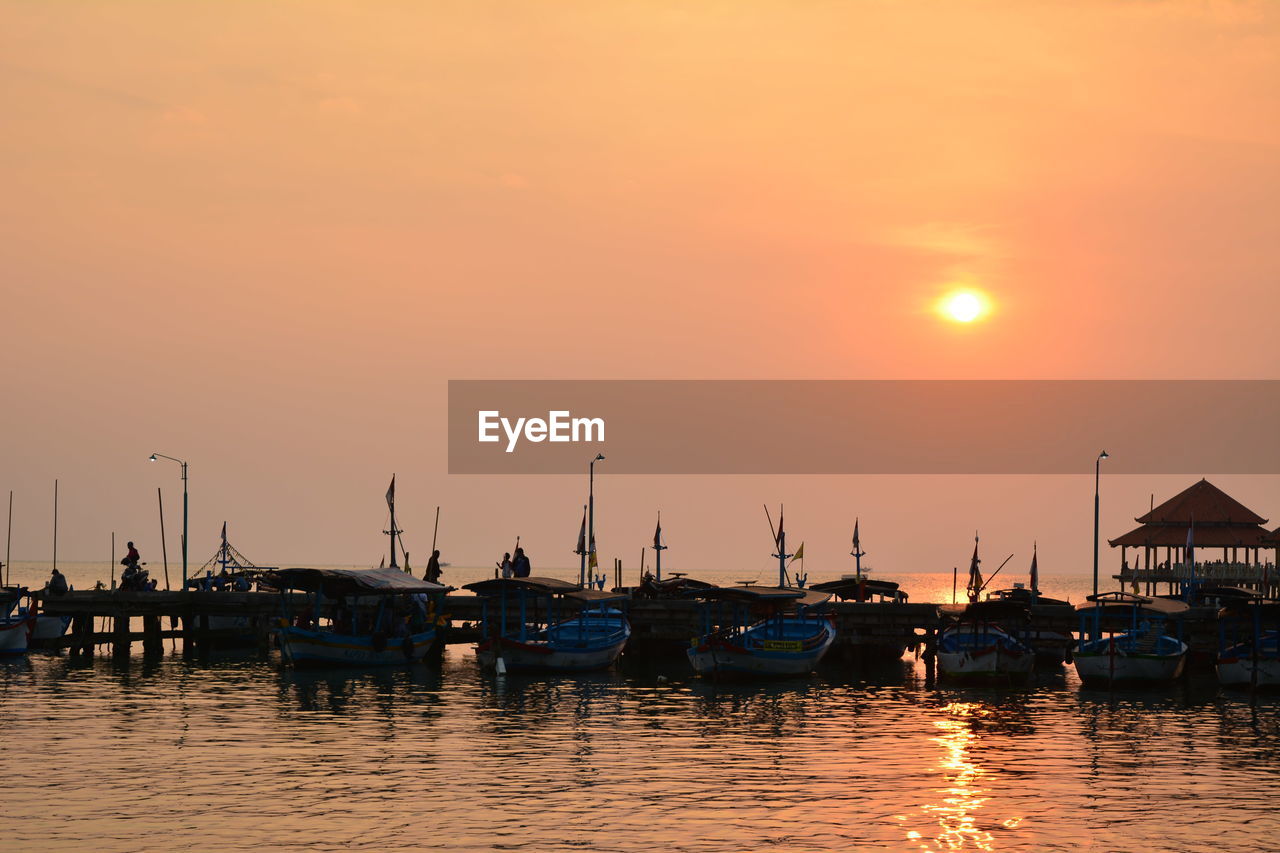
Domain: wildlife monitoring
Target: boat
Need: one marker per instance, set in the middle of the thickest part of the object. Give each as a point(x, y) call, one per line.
point(979, 642)
point(16, 623)
point(547, 625)
point(1249, 644)
point(358, 617)
point(1050, 647)
point(1126, 639)
point(761, 631)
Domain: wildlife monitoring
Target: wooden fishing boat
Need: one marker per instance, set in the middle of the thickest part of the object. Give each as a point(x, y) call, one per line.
point(1123, 639)
point(16, 623)
point(549, 625)
point(979, 643)
point(761, 631)
point(1050, 647)
point(358, 617)
point(1249, 644)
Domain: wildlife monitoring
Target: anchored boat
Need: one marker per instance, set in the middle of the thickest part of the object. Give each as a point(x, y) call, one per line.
point(761, 631)
point(546, 624)
point(1249, 643)
point(1127, 640)
point(358, 617)
point(979, 643)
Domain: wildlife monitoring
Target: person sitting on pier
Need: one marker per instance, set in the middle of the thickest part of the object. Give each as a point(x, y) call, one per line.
point(57, 583)
point(131, 559)
point(433, 568)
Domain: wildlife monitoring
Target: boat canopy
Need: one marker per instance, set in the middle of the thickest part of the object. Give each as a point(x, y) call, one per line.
point(992, 610)
point(1264, 607)
point(849, 587)
point(543, 586)
point(341, 582)
point(764, 594)
point(1127, 600)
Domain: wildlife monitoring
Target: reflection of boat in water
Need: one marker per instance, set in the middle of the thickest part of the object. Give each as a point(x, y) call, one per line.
point(375, 616)
point(1138, 651)
point(979, 644)
point(761, 631)
point(16, 623)
point(519, 638)
point(1249, 643)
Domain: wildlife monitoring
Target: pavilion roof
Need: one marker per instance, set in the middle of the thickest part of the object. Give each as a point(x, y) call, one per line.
point(1206, 504)
point(1272, 538)
point(1205, 536)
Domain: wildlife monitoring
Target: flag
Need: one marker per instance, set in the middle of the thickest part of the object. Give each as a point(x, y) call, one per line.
point(657, 534)
point(799, 554)
point(856, 543)
point(778, 541)
point(382, 564)
point(224, 533)
point(1035, 570)
point(591, 560)
point(582, 535)
point(1190, 555)
point(975, 574)
point(391, 492)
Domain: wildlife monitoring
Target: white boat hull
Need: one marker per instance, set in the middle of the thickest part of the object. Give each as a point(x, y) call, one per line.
point(50, 627)
point(532, 657)
point(997, 663)
point(1238, 672)
point(300, 646)
point(15, 636)
point(1106, 667)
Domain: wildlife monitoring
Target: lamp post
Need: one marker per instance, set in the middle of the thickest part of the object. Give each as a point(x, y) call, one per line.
point(1097, 481)
point(153, 458)
point(591, 513)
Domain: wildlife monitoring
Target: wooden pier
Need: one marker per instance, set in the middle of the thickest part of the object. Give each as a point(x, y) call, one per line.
point(865, 631)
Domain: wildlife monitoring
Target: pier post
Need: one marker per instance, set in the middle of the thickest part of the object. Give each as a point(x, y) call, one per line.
point(82, 635)
point(152, 644)
point(188, 636)
point(120, 635)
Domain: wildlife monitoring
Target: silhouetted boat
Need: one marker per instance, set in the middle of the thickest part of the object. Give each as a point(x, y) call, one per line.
point(761, 631)
point(1139, 651)
point(1253, 661)
point(16, 623)
point(979, 642)
point(524, 629)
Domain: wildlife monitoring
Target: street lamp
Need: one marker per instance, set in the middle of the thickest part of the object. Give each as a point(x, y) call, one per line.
point(1097, 480)
point(154, 457)
point(591, 514)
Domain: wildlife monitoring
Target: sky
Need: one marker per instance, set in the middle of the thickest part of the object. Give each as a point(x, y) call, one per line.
point(262, 237)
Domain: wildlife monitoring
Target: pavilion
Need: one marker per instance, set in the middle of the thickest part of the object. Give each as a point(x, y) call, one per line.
point(1209, 519)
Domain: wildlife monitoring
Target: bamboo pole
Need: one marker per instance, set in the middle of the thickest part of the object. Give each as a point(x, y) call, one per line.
point(55, 523)
point(8, 567)
point(113, 559)
point(164, 547)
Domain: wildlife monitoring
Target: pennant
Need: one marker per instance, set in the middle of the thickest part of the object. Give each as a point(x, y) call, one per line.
point(1035, 570)
point(1190, 555)
point(391, 492)
point(382, 564)
point(591, 560)
point(778, 540)
point(657, 534)
point(582, 535)
point(799, 554)
point(224, 532)
point(975, 574)
point(857, 544)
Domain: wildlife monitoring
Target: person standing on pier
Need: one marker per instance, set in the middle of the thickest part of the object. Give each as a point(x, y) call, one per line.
point(520, 566)
point(433, 568)
point(505, 566)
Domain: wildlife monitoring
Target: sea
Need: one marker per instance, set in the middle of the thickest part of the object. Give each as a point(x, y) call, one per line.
point(235, 751)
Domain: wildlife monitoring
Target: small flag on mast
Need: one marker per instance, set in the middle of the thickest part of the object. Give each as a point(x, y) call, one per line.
point(799, 554)
point(582, 534)
point(657, 533)
point(1190, 555)
point(224, 533)
point(591, 560)
point(856, 542)
point(391, 492)
point(975, 574)
point(1035, 570)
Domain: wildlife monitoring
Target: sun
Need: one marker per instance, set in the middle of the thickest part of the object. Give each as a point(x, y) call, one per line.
point(964, 306)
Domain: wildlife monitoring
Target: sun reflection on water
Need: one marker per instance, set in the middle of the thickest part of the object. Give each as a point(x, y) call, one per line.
point(964, 793)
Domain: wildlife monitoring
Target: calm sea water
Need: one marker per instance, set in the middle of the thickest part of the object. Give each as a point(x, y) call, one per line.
point(238, 753)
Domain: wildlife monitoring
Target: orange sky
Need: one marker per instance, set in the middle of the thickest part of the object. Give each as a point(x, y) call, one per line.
point(262, 237)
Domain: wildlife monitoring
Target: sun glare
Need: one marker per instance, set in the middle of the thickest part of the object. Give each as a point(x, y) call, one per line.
point(963, 306)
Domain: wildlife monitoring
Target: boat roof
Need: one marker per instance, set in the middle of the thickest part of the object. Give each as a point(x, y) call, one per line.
point(1022, 594)
point(542, 586)
point(848, 587)
point(991, 610)
point(335, 582)
point(1118, 600)
point(763, 594)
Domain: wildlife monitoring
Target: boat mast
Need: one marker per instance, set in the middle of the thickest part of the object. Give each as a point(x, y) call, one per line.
point(393, 532)
point(782, 554)
point(658, 547)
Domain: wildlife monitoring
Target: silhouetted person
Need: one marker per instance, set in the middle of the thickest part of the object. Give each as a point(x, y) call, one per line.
point(131, 559)
point(505, 566)
point(433, 568)
point(520, 566)
point(58, 583)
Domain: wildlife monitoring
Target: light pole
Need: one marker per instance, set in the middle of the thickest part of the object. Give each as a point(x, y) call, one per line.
point(154, 457)
point(591, 513)
point(1097, 481)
